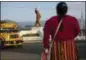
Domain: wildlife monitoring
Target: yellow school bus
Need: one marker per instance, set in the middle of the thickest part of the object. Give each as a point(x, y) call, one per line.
point(9, 34)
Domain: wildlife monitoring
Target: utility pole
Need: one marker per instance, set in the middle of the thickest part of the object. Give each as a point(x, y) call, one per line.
point(81, 23)
point(85, 20)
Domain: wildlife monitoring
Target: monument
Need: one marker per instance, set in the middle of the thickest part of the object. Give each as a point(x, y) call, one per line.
point(37, 29)
point(37, 26)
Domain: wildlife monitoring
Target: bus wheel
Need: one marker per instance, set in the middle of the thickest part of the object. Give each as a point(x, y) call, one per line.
point(19, 46)
point(1, 43)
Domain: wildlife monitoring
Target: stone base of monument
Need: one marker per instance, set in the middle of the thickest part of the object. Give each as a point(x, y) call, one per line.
point(36, 33)
point(80, 38)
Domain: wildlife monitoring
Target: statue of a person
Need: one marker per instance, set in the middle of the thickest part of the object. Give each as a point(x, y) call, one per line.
point(38, 16)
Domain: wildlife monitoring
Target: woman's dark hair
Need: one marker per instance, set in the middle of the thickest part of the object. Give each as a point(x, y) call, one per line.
point(61, 8)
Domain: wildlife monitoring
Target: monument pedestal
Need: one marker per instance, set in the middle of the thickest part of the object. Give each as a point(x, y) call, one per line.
point(38, 30)
point(36, 33)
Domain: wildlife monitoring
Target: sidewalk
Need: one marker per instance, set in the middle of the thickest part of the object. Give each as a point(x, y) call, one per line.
point(18, 56)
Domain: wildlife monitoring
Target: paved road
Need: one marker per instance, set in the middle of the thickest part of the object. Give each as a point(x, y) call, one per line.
point(81, 45)
point(32, 51)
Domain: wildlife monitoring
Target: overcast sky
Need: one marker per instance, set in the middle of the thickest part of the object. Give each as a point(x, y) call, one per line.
point(24, 11)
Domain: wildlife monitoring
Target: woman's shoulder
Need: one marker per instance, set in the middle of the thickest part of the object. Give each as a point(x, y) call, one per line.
point(70, 16)
point(52, 18)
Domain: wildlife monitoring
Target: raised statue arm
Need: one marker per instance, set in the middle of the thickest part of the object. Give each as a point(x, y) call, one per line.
point(38, 16)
